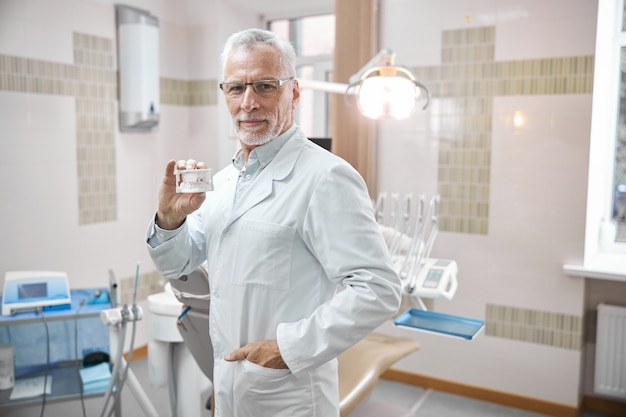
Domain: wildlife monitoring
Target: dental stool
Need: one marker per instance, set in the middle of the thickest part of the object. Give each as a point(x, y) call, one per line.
point(170, 362)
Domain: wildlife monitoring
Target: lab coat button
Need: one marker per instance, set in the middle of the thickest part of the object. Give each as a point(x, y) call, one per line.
point(248, 176)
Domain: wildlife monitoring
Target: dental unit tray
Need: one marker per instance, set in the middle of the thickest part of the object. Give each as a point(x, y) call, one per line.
point(29, 290)
point(440, 323)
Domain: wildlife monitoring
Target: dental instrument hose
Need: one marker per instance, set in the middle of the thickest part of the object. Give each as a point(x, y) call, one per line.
point(45, 378)
point(134, 330)
point(116, 365)
point(82, 396)
point(122, 380)
point(117, 371)
point(172, 380)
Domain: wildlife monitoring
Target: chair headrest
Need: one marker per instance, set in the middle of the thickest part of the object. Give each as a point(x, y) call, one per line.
point(193, 289)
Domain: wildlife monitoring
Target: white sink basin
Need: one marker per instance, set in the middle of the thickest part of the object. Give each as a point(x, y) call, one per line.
point(164, 311)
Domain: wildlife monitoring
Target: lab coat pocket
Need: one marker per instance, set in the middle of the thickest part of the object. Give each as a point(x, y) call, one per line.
point(260, 381)
point(263, 391)
point(262, 371)
point(266, 252)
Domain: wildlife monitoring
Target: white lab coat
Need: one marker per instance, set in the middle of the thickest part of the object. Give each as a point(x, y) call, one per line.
point(276, 259)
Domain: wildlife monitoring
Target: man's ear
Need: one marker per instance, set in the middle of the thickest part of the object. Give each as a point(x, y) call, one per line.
point(296, 93)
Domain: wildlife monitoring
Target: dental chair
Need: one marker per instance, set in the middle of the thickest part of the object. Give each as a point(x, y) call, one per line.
point(193, 291)
point(360, 367)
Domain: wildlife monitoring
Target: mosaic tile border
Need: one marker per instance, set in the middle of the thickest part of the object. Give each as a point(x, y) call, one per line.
point(188, 92)
point(565, 75)
point(95, 129)
point(27, 75)
point(559, 330)
point(148, 283)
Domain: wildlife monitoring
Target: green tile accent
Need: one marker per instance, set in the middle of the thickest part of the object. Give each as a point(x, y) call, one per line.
point(462, 89)
point(147, 284)
point(534, 326)
point(188, 92)
point(96, 92)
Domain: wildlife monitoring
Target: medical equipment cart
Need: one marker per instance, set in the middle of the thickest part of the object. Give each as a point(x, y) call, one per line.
point(37, 337)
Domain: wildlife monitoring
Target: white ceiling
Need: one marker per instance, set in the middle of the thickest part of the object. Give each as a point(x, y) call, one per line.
point(286, 8)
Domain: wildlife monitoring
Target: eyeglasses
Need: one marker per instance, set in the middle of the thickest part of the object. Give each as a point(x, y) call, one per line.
point(264, 88)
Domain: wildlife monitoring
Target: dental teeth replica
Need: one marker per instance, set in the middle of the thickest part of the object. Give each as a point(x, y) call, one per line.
point(194, 180)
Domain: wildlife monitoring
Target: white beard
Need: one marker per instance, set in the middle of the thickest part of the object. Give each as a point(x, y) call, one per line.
point(252, 138)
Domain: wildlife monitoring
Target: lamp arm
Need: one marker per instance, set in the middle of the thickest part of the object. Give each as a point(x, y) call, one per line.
point(330, 87)
point(426, 90)
point(327, 86)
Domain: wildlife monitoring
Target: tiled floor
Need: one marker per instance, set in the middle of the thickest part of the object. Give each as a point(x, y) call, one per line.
point(389, 399)
point(421, 403)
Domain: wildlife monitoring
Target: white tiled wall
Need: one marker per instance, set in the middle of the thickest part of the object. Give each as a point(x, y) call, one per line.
point(537, 182)
point(39, 210)
point(537, 196)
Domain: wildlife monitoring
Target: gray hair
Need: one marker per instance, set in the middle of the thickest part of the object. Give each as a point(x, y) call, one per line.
point(249, 38)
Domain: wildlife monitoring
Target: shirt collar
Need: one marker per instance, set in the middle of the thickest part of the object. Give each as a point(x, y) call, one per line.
point(266, 152)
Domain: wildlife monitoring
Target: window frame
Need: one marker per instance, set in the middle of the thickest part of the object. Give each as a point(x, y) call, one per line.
point(322, 66)
point(610, 38)
point(620, 88)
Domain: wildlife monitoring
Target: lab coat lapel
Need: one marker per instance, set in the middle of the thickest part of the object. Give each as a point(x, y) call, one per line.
point(227, 190)
point(280, 167)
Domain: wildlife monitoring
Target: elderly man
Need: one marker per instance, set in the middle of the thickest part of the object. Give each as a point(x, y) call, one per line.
point(298, 268)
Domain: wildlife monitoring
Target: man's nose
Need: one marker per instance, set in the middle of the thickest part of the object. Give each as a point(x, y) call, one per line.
point(249, 98)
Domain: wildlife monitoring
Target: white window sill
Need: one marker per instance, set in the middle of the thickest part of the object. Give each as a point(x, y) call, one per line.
point(609, 266)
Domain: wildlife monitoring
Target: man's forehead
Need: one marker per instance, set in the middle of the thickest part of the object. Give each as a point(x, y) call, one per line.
point(259, 61)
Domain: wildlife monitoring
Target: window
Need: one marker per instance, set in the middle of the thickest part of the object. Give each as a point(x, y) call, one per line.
point(606, 189)
point(619, 176)
point(313, 38)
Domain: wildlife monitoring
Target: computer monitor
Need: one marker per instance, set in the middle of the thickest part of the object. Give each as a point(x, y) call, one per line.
point(325, 143)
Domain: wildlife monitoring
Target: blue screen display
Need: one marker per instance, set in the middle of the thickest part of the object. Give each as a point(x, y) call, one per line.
point(40, 289)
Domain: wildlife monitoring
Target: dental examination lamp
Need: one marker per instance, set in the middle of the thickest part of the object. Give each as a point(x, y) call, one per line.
point(383, 90)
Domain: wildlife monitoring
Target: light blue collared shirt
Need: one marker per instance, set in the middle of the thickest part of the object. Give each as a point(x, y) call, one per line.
point(258, 159)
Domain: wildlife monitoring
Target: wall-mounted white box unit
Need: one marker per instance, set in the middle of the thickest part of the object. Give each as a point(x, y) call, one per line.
point(138, 64)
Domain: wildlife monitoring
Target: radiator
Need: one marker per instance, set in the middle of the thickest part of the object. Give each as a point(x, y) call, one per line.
point(610, 367)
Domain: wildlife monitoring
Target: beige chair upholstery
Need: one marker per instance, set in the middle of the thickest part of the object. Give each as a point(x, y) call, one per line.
point(361, 366)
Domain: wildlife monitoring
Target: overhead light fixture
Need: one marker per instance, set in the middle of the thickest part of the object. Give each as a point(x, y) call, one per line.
point(386, 91)
point(383, 90)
